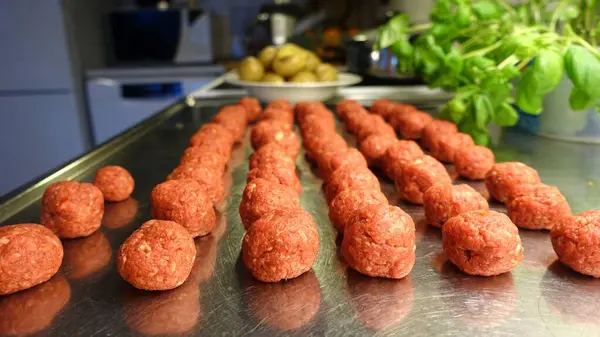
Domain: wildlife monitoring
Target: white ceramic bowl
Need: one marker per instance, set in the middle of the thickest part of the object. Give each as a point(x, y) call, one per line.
point(294, 92)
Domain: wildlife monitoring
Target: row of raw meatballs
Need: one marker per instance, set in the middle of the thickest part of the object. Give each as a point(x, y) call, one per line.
point(281, 240)
point(379, 239)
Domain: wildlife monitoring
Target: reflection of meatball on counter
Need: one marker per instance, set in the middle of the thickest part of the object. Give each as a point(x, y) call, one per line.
point(576, 241)
point(504, 178)
point(87, 256)
point(442, 202)
point(115, 182)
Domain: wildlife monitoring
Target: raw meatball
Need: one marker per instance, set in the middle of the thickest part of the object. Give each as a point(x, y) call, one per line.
point(474, 162)
point(211, 181)
point(115, 182)
point(375, 125)
point(350, 177)
point(271, 154)
point(198, 156)
point(346, 105)
point(276, 174)
point(347, 202)
point(215, 136)
point(576, 241)
point(398, 155)
point(157, 256)
point(315, 121)
point(418, 176)
point(272, 131)
point(281, 104)
point(261, 197)
point(483, 243)
point(443, 202)
point(86, 256)
point(436, 128)
point(504, 178)
point(331, 161)
point(317, 146)
point(375, 146)
point(283, 116)
point(71, 209)
point(304, 109)
point(185, 202)
point(537, 207)
point(252, 106)
point(30, 254)
point(410, 124)
point(281, 246)
point(355, 119)
point(380, 242)
point(382, 107)
point(444, 146)
point(234, 119)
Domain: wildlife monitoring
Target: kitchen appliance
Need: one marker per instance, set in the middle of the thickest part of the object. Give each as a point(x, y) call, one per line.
point(149, 35)
point(274, 24)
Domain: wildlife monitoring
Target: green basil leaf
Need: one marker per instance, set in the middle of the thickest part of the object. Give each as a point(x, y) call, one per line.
point(497, 88)
point(392, 31)
point(456, 110)
point(583, 68)
point(530, 102)
point(402, 48)
point(464, 15)
point(480, 137)
point(569, 13)
point(506, 115)
point(487, 10)
point(539, 79)
point(580, 100)
point(441, 11)
point(484, 111)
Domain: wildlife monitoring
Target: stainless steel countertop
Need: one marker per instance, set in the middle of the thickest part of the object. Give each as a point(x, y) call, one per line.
point(88, 298)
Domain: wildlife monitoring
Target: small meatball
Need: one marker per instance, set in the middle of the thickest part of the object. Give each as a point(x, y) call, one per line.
point(115, 182)
point(504, 178)
point(271, 154)
point(272, 131)
point(185, 202)
point(86, 256)
point(323, 120)
point(482, 243)
point(537, 207)
point(252, 106)
point(198, 156)
point(281, 104)
point(281, 246)
point(375, 125)
point(436, 128)
point(211, 181)
point(474, 162)
point(317, 146)
point(445, 146)
point(398, 155)
point(30, 254)
point(234, 119)
point(261, 197)
point(576, 241)
point(355, 119)
point(157, 256)
point(331, 161)
point(346, 105)
point(304, 109)
point(443, 202)
point(411, 123)
point(120, 214)
point(418, 176)
point(382, 107)
point(71, 209)
point(284, 116)
point(347, 202)
point(215, 136)
point(380, 242)
point(350, 177)
point(276, 174)
point(375, 146)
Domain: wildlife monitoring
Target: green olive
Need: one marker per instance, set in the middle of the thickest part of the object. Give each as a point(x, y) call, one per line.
point(288, 62)
point(273, 78)
point(304, 77)
point(251, 69)
point(267, 55)
point(312, 61)
point(326, 72)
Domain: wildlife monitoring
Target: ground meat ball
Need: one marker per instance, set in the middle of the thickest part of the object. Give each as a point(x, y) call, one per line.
point(375, 146)
point(284, 116)
point(349, 177)
point(540, 207)
point(331, 161)
point(271, 154)
point(398, 155)
point(234, 119)
point(323, 120)
point(214, 134)
point(576, 241)
point(443, 202)
point(382, 107)
point(86, 256)
point(306, 108)
point(355, 119)
point(277, 174)
point(211, 181)
point(157, 256)
point(434, 129)
point(30, 254)
point(410, 124)
point(347, 202)
point(316, 146)
point(277, 132)
point(474, 162)
point(120, 214)
point(185, 202)
point(418, 176)
point(71, 209)
point(281, 246)
point(504, 178)
point(375, 125)
point(115, 182)
point(346, 105)
point(252, 106)
point(198, 156)
point(482, 243)
point(281, 104)
point(380, 242)
point(445, 146)
point(261, 197)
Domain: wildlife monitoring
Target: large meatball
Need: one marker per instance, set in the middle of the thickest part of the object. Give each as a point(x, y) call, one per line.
point(115, 182)
point(271, 154)
point(436, 128)
point(382, 107)
point(210, 180)
point(272, 131)
point(252, 106)
point(443, 202)
point(537, 207)
point(30, 254)
point(281, 246)
point(375, 125)
point(283, 116)
point(234, 119)
point(343, 207)
point(398, 155)
point(199, 156)
point(576, 241)
point(380, 242)
point(482, 243)
point(331, 161)
point(185, 202)
point(375, 146)
point(504, 178)
point(261, 197)
point(474, 162)
point(411, 123)
point(157, 256)
point(214, 136)
point(316, 147)
point(71, 209)
point(276, 174)
point(318, 123)
point(418, 176)
point(445, 146)
point(350, 177)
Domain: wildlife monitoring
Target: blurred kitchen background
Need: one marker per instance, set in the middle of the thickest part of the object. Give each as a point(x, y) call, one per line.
point(74, 73)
